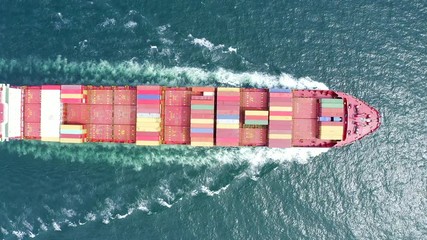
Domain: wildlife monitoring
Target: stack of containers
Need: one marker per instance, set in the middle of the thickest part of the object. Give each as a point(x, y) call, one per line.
point(331, 130)
point(256, 117)
point(32, 112)
point(228, 117)
point(330, 107)
point(72, 133)
point(149, 121)
point(202, 116)
point(177, 116)
point(72, 94)
point(280, 126)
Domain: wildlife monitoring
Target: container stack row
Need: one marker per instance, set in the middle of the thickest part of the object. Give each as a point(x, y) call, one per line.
point(72, 133)
point(331, 130)
point(228, 117)
point(256, 117)
point(177, 116)
point(202, 116)
point(72, 94)
point(331, 107)
point(32, 112)
point(149, 118)
point(280, 126)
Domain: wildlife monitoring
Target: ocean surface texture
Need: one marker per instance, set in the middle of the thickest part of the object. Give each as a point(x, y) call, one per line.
point(372, 189)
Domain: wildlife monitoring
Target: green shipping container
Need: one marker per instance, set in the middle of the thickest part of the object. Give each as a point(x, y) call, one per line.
point(331, 100)
point(332, 105)
point(202, 107)
point(256, 122)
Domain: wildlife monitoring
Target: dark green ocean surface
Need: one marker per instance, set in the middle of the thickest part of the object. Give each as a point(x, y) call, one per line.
point(372, 189)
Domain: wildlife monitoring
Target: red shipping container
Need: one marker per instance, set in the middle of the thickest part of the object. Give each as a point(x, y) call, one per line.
point(254, 99)
point(32, 112)
point(154, 92)
point(228, 98)
point(101, 114)
point(32, 130)
point(72, 91)
point(51, 87)
point(148, 101)
point(253, 136)
point(252, 117)
point(280, 125)
point(100, 96)
point(227, 112)
point(280, 143)
point(148, 87)
point(222, 106)
point(32, 95)
point(331, 112)
point(198, 115)
point(178, 116)
point(176, 135)
point(177, 97)
point(283, 95)
point(124, 133)
point(125, 96)
point(195, 98)
point(228, 103)
point(227, 142)
point(275, 113)
point(124, 114)
point(331, 123)
point(66, 87)
point(76, 113)
point(280, 99)
point(99, 133)
point(74, 136)
point(151, 134)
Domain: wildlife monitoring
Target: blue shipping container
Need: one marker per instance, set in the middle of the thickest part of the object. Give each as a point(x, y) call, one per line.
point(149, 96)
point(224, 116)
point(279, 90)
point(325, 119)
point(202, 130)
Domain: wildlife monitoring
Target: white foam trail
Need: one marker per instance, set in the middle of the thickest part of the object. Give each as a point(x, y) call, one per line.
point(4, 231)
point(43, 226)
point(90, 217)
point(19, 234)
point(56, 226)
point(162, 202)
point(205, 189)
point(131, 24)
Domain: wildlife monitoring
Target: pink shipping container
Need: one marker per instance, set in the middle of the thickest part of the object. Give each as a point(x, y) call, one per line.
point(154, 92)
point(176, 135)
point(253, 137)
point(254, 99)
point(279, 143)
point(227, 142)
point(202, 115)
point(219, 93)
point(151, 134)
point(275, 113)
point(331, 112)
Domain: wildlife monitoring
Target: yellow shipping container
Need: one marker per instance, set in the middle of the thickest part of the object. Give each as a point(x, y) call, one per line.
point(281, 109)
point(228, 125)
point(201, 120)
point(49, 139)
point(256, 113)
point(148, 120)
point(73, 96)
point(223, 89)
point(286, 118)
point(205, 144)
point(71, 127)
point(148, 143)
point(331, 132)
point(71, 140)
point(148, 128)
point(279, 136)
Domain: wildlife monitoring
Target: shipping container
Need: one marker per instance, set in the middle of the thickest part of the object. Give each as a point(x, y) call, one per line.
point(32, 112)
point(304, 108)
point(202, 115)
point(32, 95)
point(254, 99)
point(253, 136)
point(71, 140)
point(124, 133)
point(279, 143)
point(280, 90)
point(148, 143)
point(202, 135)
point(175, 97)
point(124, 114)
point(202, 130)
point(202, 125)
point(202, 144)
point(280, 109)
point(176, 135)
point(177, 115)
point(76, 136)
point(227, 89)
point(332, 112)
point(305, 128)
point(99, 133)
point(76, 113)
point(100, 96)
point(227, 142)
point(125, 96)
point(280, 125)
point(279, 113)
point(31, 130)
point(101, 114)
point(227, 125)
point(202, 107)
point(256, 122)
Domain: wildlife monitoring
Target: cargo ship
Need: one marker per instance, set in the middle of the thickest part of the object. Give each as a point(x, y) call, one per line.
point(196, 116)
